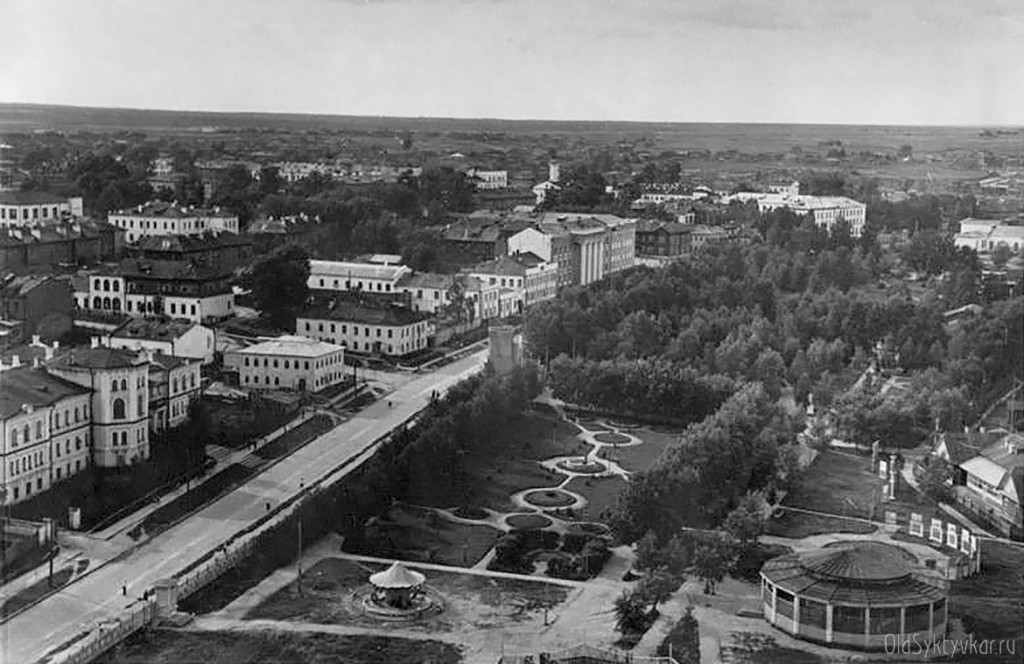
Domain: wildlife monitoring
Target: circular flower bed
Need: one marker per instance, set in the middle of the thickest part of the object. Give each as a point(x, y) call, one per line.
point(587, 528)
point(584, 467)
point(612, 438)
point(465, 512)
point(549, 498)
point(529, 521)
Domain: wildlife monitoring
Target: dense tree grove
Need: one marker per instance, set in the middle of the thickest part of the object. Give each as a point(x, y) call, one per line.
point(279, 284)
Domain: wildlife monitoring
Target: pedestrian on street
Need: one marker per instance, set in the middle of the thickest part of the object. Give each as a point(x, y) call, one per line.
point(124, 589)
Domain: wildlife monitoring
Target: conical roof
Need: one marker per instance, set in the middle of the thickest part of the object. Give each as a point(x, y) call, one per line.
point(856, 563)
point(397, 576)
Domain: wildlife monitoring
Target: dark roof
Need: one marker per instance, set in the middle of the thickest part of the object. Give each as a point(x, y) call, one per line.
point(365, 313)
point(964, 446)
point(17, 286)
point(185, 243)
point(852, 573)
point(168, 362)
point(154, 328)
point(30, 198)
point(169, 270)
point(165, 209)
point(98, 358)
point(670, 227)
point(33, 387)
point(56, 231)
point(502, 265)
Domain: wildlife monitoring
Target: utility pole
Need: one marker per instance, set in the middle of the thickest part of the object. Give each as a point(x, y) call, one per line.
point(298, 582)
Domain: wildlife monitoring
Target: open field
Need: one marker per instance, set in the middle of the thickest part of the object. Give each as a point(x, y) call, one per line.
point(471, 601)
point(601, 494)
point(840, 484)
point(410, 533)
point(666, 135)
point(175, 647)
point(640, 457)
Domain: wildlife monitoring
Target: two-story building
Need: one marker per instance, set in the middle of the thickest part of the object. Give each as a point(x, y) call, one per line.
point(47, 246)
point(228, 251)
point(531, 278)
point(174, 337)
point(45, 431)
point(346, 276)
point(984, 235)
point(288, 362)
point(174, 384)
point(367, 328)
point(662, 239)
point(43, 304)
point(161, 218)
point(22, 208)
point(435, 294)
point(118, 381)
point(995, 484)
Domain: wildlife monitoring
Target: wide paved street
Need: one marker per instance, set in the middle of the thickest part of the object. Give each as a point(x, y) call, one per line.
point(98, 596)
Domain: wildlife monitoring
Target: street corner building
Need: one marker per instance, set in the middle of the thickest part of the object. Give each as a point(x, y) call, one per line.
point(853, 595)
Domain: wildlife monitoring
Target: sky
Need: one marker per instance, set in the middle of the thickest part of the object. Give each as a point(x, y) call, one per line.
point(924, 62)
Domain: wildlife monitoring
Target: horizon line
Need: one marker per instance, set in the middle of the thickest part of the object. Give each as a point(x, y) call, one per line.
point(498, 119)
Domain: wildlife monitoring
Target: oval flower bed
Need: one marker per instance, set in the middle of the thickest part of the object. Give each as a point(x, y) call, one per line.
point(549, 498)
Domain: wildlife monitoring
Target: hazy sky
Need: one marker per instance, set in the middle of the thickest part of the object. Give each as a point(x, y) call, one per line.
point(829, 61)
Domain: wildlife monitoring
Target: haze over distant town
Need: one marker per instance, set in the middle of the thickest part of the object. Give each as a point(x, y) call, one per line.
point(934, 62)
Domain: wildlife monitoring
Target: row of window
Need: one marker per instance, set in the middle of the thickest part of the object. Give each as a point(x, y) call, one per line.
point(359, 285)
point(26, 464)
point(321, 381)
point(318, 364)
point(106, 285)
point(146, 224)
point(12, 213)
point(190, 383)
point(122, 436)
point(373, 346)
point(122, 385)
point(406, 331)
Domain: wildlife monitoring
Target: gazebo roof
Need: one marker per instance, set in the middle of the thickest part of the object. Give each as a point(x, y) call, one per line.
point(852, 574)
point(397, 576)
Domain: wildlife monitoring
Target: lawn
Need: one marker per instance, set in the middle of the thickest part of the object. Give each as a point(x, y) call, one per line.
point(754, 648)
point(421, 535)
point(636, 458)
point(471, 600)
point(991, 604)
point(262, 647)
point(839, 484)
point(601, 494)
point(493, 478)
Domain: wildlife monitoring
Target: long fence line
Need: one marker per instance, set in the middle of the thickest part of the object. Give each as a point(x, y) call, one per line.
point(105, 635)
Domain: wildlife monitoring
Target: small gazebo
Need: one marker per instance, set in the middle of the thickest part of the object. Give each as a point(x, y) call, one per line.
point(397, 587)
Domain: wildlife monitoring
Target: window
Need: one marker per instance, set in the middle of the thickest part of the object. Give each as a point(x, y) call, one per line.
point(246, 361)
point(307, 365)
point(307, 326)
point(96, 284)
point(119, 409)
point(106, 284)
point(286, 363)
point(26, 434)
point(117, 286)
point(14, 437)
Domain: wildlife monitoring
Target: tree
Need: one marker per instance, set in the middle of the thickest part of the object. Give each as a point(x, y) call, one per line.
point(683, 642)
point(747, 521)
point(630, 613)
point(658, 587)
point(936, 480)
point(279, 284)
point(713, 558)
point(1001, 255)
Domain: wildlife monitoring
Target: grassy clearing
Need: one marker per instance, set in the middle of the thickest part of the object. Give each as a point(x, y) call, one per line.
point(421, 535)
point(753, 648)
point(840, 484)
point(991, 604)
point(471, 600)
point(636, 458)
point(174, 647)
point(601, 494)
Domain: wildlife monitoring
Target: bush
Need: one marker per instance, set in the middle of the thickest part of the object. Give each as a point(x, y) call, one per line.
point(573, 542)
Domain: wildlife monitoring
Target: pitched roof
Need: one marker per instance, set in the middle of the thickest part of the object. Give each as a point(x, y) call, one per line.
point(98, 358)
point(184, 243)
point(502, 265)
point(293, 346)
point(168, 210)
point(153, 328)
point(27, 386)
point(397, 576)
point(13, 286)
point(426, 280)
point(364, 313)
point(30, 198)
point(145, 268)
point(353, 270)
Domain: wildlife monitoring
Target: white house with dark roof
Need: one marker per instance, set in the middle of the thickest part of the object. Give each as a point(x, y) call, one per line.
point(24, 208)
point(45, 431)
point(386, 329)
point(984, 235)
point(355, 276)
point(170, 336)
point(288, 362)
point(119, 383)
point(162, 218)
point(995, 483)
point(174, 383)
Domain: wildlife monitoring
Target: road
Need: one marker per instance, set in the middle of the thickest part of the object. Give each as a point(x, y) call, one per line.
point(98, 596)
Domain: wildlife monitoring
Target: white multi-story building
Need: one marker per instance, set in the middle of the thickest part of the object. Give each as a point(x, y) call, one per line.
point(488, 180)
point(25, 208)
point(45, 431)
point(984, 235)
point(529, 277)
point(119, 384)
point(174, 383)
point(363, 328)
point(826, 210)
point(355, 276)
point(160, 218)
point(432, 294)
point(288, 363)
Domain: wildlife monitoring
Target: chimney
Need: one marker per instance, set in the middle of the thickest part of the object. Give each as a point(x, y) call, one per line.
point(35, 340)
point(94, 342)
point(56, 345)
point(15, 361)
point(35, 362)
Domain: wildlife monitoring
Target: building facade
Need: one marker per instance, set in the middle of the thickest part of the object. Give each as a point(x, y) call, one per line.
point(174, 384)
point(984, 235)
point(58, 244)
point(289, 362)
point(45, 431)
point(160, 218)
point(663, 239)
point(118, 381)
point(827, 211)
point(23, 208)
point(173, 337)
point(367, 328)
point(345, 276)
point(43, 304)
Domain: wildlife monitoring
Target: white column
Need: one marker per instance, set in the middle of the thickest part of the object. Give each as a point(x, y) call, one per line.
point(796, 614)
point(828, 622)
